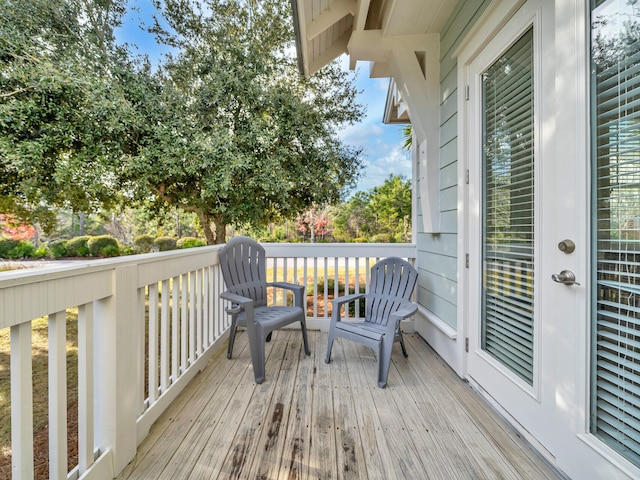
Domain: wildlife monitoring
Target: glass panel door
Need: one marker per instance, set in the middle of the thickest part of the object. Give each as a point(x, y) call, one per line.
point(508, 209)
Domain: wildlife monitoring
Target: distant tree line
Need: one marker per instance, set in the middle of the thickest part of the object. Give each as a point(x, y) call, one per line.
point(382, 214)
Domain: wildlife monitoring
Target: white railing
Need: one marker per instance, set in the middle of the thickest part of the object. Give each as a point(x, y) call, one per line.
point(324, 269)
point(146, 325)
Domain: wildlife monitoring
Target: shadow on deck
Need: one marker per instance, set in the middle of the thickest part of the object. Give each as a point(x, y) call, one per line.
point(313, 420)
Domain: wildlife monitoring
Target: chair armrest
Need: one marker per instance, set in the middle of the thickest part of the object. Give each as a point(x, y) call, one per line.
point(337, 302)
point(240, 303)
point(298, 291)
point(406, 310)
point(288, 286)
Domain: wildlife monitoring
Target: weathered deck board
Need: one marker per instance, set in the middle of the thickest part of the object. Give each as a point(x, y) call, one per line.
point(310, 420)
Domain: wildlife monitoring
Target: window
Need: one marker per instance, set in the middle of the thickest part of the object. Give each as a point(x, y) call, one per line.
point(615, 53)
point(508, 201)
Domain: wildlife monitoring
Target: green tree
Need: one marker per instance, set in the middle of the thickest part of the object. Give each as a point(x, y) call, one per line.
point(354, 218)
point(239, 137)
point(391, 204)
point(383, 210)
point(67, 107)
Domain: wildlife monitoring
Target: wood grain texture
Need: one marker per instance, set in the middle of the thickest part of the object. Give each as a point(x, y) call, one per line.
point(310, 420)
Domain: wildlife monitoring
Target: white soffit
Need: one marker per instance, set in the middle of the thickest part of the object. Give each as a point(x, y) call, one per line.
point(325, 27)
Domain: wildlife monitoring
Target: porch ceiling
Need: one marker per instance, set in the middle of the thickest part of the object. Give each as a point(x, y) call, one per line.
point(362, 29)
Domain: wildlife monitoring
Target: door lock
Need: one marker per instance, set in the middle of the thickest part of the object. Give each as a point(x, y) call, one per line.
point(567, 246)
point(565, 277)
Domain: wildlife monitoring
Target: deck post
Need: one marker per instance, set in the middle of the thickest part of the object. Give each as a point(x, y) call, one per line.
point(116, 345)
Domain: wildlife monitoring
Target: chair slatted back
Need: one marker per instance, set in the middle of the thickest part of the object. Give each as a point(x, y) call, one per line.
point(391, 283)
point(243, 264)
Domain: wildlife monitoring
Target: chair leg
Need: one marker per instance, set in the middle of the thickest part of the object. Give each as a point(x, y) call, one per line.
point(327, 359)
point(305, 341)
point(404, 349)
point(384, 361)
point(256, 347)
point(232, 338)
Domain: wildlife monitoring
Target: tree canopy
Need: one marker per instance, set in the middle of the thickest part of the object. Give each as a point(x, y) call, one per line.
point(224, 127)
point(382, 214)
point(65, 122)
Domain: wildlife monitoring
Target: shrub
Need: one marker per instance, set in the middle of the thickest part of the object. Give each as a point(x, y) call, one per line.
point(77, 246)
point(15, 249)
point(165, 243)
point(58, 248)
point(190, 242)
point(399, 238)
point(383, 238)
point(7, 246)
point(103, 246)
point(143, 243)
point(41, 252)
point(330, 286)
point(360, 240)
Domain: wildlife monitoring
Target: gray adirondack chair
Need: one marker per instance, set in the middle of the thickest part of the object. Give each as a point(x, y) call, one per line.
point(243, 264)
point(387, 302)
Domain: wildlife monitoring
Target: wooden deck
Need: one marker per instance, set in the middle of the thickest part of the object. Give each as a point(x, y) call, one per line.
point(313, 420)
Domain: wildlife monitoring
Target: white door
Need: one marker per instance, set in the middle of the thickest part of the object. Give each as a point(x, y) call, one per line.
point(552, 147)
point(510, 158)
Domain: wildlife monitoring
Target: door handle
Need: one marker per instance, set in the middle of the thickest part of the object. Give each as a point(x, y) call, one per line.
point(565, 277)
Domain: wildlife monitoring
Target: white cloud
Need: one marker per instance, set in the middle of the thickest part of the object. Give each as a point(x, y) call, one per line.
point(380, 164)
point(382, 144)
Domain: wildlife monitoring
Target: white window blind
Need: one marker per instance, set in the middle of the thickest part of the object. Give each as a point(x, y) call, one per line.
point(508, 227)
point(615, 405)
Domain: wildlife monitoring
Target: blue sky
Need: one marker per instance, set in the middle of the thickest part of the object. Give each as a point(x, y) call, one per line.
point(381, 144)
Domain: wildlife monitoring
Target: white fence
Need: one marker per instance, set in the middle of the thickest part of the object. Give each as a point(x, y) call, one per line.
point(146, 325)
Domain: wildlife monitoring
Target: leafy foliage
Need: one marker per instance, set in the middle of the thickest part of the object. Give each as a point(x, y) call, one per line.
point(238, 135)
point(78, 246)
point(58, 248)
point(225, 128)
point(65, 119)
point(165, 243)
point(15, 249)
point(143, 243)
point(190, 242)
point(103, 246)
point(382, 214)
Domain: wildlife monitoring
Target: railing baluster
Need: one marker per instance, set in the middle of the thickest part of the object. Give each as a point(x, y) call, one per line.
point(357, 287)
point(184, 324)
point(336, 277)
point(21, 401)
point(192, 318)
point(58, 395)
point(315, 286)
point(141, 337)
point(175, 328)
point(153, 343)
point(210, 307)
point(304, 282)
point(85, 387)
point(199, 322)
point(164, 337)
